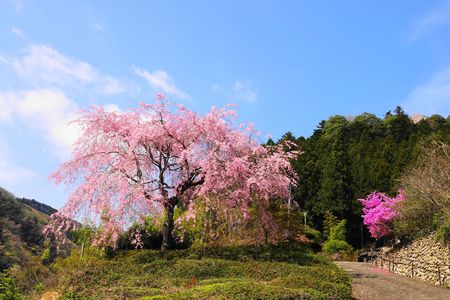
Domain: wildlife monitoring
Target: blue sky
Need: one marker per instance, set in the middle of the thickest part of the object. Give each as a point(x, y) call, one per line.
point(286, 64)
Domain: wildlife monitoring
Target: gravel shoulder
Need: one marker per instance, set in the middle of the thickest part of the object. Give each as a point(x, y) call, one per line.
point(370, 283)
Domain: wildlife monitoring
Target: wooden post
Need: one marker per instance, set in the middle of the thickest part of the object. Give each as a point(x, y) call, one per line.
point(439, 273)
point(82, 250)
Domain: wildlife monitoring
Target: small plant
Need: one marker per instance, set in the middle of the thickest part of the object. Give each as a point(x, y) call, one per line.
point(329, 221)
point(8, 288)
point(45, 256)
point(336, 241)
point(72, 296)
point(39, 287)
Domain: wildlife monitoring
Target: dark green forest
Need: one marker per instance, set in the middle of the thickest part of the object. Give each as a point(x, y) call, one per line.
point(348, 157)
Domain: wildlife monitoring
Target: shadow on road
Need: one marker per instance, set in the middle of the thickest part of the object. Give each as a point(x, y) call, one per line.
point(371, 283)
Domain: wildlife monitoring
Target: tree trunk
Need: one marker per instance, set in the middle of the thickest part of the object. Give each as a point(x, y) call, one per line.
point(167, 241)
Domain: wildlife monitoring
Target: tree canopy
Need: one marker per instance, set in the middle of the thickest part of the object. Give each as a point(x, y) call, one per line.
point(348, 158)
point(147, 161)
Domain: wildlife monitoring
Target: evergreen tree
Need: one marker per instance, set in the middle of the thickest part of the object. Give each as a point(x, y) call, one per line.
point(345, 160)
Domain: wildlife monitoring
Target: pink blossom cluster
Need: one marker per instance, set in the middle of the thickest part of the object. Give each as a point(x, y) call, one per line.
point(58, 226)
point(379, 210)
point(136, 239)
point(131, 164)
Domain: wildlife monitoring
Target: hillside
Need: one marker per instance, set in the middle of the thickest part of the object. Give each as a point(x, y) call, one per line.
point(43, 208)
point(20, 229)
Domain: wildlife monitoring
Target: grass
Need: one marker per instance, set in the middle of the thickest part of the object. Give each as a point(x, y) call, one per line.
point(286, 271)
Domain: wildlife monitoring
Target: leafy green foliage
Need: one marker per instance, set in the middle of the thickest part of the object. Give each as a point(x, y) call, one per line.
point(222, 227)
point(336, 246)
point(336, 241)
point(22, 248)
point(337, 232)
point(315, 236)
point(345, 159)
point(31, 276)
point(8, 287)
point(329, 221)
point(82, 235)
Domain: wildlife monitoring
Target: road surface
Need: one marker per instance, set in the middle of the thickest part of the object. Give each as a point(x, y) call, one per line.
point(370, 283)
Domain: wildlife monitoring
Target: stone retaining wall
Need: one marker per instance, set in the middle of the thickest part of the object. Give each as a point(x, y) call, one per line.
point(424, 259)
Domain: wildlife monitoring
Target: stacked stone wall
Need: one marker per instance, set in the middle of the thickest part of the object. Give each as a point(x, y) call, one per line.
point(424, 259)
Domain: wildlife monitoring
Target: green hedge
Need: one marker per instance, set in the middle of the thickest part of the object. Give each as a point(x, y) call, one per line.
point(285, 271)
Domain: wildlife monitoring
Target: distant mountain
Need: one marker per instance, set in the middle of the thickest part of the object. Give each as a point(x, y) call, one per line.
point(416, 118)
point(43, 208)
point(21, 224)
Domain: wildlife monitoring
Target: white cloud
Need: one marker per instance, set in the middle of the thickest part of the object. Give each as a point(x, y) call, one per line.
point(44, 66)
point(437, 16)
point(17, 31)
point(242, 91)
point(48, 111)
point(431, 97)
point(161, 80)
point(239, 91)
point(45, 107)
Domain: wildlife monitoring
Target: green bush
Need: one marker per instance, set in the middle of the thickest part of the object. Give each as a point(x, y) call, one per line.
point(31, 276)
point(336, 242)
point(315, 236)
point(336, 246)
point(337, 232)
point(8, 287)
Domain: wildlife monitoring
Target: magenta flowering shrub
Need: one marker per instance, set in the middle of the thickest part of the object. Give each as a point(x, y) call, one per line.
point(379, 211)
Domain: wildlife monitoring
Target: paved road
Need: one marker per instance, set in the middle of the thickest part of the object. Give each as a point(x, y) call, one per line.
point(370, 283)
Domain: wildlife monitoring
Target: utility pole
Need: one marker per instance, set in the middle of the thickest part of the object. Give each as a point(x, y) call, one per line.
point(289, 210)
point(362, 236)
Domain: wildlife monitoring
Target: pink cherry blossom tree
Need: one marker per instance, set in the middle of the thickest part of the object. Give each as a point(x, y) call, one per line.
point(379, 211)
point(147, 161)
